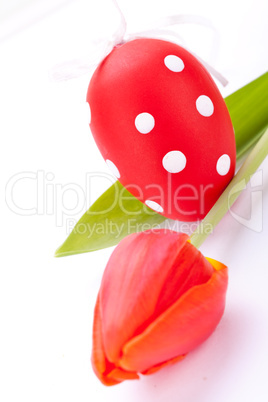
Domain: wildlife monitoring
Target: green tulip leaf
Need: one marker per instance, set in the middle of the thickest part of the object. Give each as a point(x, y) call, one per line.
point(113, 216)
point(117, 213)
point(248, 108)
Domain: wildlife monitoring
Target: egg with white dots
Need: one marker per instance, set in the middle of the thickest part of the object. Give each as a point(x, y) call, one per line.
point(162, 126)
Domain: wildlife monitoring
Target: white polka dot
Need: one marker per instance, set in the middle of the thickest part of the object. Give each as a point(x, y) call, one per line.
point(223, 165)
point(174, 161)
point(88, 113)
point(144, 123)
point(174, 63)
point(204, 106)
point(113, 168)
point(154, 205)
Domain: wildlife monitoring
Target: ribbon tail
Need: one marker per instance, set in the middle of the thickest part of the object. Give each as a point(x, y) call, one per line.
point(213, 71)
point(157, 31)
point(102, 47)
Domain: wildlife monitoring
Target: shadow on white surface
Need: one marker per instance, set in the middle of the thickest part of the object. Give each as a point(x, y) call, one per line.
point(201, 374)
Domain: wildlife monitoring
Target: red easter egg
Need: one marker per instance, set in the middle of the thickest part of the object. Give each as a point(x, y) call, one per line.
point(162, 126)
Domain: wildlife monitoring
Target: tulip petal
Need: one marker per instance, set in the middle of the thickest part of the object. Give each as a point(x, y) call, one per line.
point(98, 359)
point(121, 375)
point(132, 283)
point(189, 269)
point(186, 324)
point(217, 265)
point(154, 369)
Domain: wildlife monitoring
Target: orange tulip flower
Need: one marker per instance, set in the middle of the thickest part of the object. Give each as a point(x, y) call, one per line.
point(159, 298)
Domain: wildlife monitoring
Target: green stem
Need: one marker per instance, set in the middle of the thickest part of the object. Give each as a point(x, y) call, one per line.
point(232, 191)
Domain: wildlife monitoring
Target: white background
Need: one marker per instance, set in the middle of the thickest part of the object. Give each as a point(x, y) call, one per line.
point(48, 163)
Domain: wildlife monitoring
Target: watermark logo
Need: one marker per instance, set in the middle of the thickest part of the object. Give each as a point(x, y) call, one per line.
point(67, 201)
point(47, 197)
point(254, 220)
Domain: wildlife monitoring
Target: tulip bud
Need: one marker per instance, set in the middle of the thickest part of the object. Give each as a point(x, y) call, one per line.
point(159, 299)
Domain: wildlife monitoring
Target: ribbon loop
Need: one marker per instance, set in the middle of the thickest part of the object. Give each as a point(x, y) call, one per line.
point(102, 47)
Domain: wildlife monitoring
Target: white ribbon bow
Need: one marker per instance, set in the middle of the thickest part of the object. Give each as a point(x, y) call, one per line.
point(77, 67)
